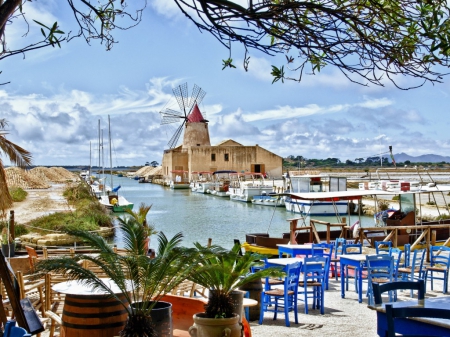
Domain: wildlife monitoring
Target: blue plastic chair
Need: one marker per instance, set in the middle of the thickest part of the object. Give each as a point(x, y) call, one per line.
point(414, 271)
point(314, 275)
point(380, 269)
point(382, 247)
point(328, 252)
point(439, 263)
point(11, 330)
point(282, 299)
point(338, 250)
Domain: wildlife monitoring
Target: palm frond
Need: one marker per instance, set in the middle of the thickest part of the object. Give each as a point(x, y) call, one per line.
point(15, 153)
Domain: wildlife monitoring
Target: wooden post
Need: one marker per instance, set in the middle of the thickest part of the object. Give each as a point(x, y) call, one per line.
point(209, 242)
point(293, 228)
point(11, 224)
point(433, 238)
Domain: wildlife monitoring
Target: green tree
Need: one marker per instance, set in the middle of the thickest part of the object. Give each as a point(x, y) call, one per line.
point(369, 41)
point(16, 155)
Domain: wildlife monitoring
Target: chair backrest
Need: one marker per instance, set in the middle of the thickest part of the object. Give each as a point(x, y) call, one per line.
point(292, 277)
point(326, 249)
point(380, 266)
point(407, 251)
point(378, 289)
point(338, 246)
point(32, 256)
point(440, 255)
point(402, 312)
point(382, 247)
point(353, 248)
point(314, 268)
point(417, 261)
point(397, 253)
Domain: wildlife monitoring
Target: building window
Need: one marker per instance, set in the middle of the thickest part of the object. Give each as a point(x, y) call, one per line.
point(213, 157)
point(226, 157)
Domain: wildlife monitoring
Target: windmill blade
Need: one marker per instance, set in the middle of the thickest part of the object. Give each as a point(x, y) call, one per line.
point(169, 116)
point(174, 140)
point(196, 97)
point(181, 94)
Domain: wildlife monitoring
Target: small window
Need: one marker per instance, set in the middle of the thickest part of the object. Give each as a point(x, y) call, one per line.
point(226, 157)
point(213, 157)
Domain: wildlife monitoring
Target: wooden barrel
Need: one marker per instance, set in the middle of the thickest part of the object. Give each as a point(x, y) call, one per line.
point(254, 289)
point(92, 316)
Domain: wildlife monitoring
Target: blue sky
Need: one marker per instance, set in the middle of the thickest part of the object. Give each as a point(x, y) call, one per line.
point(56, 97)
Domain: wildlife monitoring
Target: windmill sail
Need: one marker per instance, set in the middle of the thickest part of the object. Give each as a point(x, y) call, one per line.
point(187, 105)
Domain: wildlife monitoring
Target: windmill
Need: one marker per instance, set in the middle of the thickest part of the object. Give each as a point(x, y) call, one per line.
point(186, 104)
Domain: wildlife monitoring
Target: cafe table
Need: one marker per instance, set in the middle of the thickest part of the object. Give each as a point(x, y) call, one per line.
point(294, 250)
point(414, 325)
point(89, 311)
point(358, 261)
point(284, 261)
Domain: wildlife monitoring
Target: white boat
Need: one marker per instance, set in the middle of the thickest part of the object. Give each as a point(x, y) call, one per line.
point(112, 200)
point(313, 183)
point(391, 185)
point(201, 181)
point(270, 199)
point(247, 185)
point(221, 183)
point(179, 180)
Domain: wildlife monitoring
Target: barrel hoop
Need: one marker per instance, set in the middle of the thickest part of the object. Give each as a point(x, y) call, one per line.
point(96, 304)
point(93, 327)
point(94, 314)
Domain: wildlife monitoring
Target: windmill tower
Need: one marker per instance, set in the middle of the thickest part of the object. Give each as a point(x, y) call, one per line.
point(193, 125)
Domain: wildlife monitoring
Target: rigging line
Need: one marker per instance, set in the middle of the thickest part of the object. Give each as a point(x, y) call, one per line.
point(273, 213)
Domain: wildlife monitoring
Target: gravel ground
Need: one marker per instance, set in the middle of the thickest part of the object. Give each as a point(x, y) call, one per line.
point(343, 316)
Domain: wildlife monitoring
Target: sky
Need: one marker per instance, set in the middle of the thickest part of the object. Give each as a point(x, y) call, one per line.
point(56, 96)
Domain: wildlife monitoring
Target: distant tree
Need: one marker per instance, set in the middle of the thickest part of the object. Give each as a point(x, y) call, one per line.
point(407, 162)
point(359, 160)
point(349, 162)
point(369, 41)
point(154, 163)
point(18, 156)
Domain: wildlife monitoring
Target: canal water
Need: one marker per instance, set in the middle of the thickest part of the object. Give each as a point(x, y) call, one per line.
point(202, 216)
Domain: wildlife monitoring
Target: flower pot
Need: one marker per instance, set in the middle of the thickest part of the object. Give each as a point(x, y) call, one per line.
point(161, 316)
point(8, 250)
point(238, 299)
point(215, 327)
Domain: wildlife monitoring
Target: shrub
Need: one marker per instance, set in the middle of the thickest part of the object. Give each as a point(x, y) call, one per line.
point(17, 194)
point(383, 204)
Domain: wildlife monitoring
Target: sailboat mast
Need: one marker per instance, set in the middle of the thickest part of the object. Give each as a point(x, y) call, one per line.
point(99, 146)
point(110, 151)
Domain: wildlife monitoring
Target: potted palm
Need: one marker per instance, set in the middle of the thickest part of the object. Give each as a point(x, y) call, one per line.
point(142, 281)
point(140, 217)
point(223, 272)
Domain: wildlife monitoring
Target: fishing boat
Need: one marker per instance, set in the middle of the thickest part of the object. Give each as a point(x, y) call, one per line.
point(201, 181)
point(268, 199)
point(221, 183)
point(403, 226)
point(112, 200)
point(299, 182)
point(179, 180)
point(247, 185)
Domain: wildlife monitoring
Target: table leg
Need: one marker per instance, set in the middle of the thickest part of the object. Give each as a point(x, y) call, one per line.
point(359, 284)
point(342, 280)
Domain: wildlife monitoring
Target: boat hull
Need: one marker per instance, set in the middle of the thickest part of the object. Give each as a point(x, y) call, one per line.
point(308, 207)
point(268, 200)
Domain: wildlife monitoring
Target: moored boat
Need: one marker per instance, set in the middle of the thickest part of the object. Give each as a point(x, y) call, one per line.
point(179, 180)
point(247, 185)
point(269, 199)
point(221, 183)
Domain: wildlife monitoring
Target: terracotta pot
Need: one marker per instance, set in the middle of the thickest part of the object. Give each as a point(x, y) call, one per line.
point(215, 327)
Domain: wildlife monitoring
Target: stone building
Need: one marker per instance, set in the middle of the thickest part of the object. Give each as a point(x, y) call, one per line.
point(197, 154)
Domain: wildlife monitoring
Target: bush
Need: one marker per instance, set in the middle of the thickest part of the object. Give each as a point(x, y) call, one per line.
point(17, 194)
point(18, 229)
point(383, 204)
point(431, 203)
point(395, 197)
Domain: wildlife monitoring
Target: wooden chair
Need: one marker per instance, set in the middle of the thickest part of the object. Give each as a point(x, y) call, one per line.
point(54, 302)
point(403, 312)
point(378, 289)
point(32, 257)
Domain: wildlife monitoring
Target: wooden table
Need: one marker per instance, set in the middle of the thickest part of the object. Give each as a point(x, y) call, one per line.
point(424, 326)
point(294, 250)
point(90, 312)
point(359, 262)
